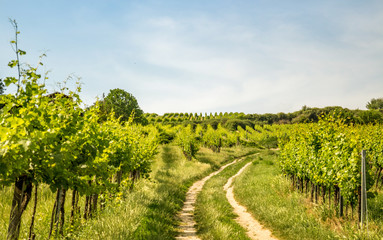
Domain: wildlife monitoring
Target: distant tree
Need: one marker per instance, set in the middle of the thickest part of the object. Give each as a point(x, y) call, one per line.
point(375, 103)
point(123, 105)
point(305, 108)
point(282, 117)
point(370, 116)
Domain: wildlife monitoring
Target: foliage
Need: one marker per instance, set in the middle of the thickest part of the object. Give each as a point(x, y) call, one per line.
point(212, 139)
point(124, 106)
point(375, 103)
point(166, 133)
point(267, 196)
point(232, 124)
point(370, 116)
point(231, 120)
point(328, 154)
point(186, 139)
point(50, 139)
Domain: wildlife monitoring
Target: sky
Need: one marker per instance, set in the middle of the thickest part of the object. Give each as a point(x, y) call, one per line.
point(254, 56)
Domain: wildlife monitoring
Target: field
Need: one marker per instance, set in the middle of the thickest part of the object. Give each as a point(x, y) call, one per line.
point(99, 173)
point(149, 210)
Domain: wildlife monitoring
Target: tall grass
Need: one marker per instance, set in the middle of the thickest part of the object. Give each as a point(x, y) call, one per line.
point(291, 215)
point(267, 196)
point(43, 214)
point(147, 212)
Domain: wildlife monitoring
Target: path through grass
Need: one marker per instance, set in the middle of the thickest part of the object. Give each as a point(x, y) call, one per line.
point(214, 215)
point(149, 211)
point(267, 196)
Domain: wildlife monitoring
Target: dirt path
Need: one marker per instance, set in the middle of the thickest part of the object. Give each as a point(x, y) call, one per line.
point(186, 228)
point(254, 229)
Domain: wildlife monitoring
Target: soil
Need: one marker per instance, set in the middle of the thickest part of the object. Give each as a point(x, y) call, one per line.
point(186, 228)
point(254, 229)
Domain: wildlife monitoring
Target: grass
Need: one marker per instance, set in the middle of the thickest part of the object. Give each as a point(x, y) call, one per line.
point(267, 196)
point(290, 215)
point(148, 212)
point(42, 219)
point(213, 213)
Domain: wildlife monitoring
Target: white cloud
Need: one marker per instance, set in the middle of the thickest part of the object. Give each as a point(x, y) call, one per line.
point(209, 69)
point(199, 61)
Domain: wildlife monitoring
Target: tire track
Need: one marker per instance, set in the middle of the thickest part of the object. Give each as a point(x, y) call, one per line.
point(254, 229)
point(186, 228)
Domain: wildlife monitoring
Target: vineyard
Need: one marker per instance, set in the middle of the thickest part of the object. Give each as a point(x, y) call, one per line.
point(50, 142)
point(326, 159)
point(74, 163)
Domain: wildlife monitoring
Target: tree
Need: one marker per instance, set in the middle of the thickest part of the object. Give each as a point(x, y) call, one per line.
point(370, 116)
point(375, 103)
point(123, 104)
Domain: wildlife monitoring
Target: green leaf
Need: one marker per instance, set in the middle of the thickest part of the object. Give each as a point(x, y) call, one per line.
point(6, 108)
point(12, 63)
point(10, 80)
point(21, 52)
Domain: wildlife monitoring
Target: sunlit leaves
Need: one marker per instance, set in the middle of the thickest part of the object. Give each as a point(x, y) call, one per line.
point(328, 153)
point(13, 63)
point(51, 138)
point(187, 140)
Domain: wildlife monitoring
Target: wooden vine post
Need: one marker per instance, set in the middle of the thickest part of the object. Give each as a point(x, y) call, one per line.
point(363, 197)
point(341, 203)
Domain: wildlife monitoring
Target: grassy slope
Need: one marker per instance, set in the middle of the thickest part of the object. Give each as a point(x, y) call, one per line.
point(42, 219)
point(149, 211)
point(267, 196)
point(146, 213)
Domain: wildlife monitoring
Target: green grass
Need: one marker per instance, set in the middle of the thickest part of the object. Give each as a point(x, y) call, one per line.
point(148, 212)
point(214, 215)
point(290, 215)
point(42, 219)
point(267, 196)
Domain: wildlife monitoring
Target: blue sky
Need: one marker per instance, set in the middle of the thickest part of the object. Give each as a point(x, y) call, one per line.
point(206, 56)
